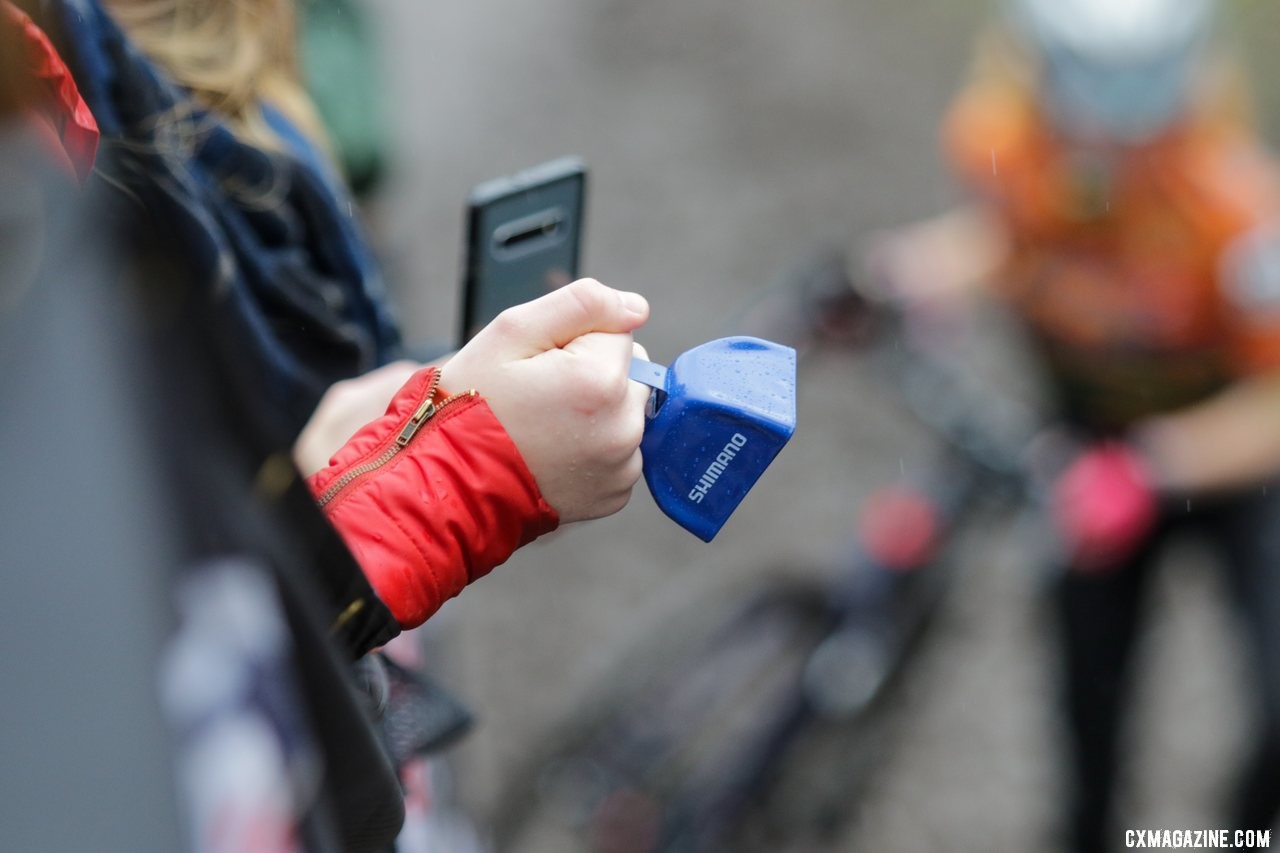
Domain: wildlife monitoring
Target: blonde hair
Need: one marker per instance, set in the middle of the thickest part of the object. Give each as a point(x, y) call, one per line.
point(231, 54)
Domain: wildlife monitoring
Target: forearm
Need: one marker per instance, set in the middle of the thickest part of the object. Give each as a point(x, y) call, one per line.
point(1230, 441)
point(947, 258)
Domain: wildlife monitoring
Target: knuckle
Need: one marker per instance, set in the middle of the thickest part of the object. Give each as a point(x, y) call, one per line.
point(605, 384)
point(619, 448)
point(588, 294)
point(634, 469)
point(595, 385)
point(624, 434)
point(507, 323)
point(616, 383)
point(588, 285)
point(631, 433)
point(617, 502)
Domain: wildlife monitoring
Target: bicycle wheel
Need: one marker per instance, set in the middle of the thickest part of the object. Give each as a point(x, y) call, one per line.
point(671, 751)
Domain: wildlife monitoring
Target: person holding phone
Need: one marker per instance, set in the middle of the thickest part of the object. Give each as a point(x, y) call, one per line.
point(549, 426)
point(545, 431)
point(532, 424)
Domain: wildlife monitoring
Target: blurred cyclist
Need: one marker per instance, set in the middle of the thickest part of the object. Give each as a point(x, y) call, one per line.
point(1125, 211)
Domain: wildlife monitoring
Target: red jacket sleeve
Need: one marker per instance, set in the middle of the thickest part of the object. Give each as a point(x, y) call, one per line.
point(430, 497)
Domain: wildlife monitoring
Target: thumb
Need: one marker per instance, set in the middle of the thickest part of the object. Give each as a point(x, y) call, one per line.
point(569, 312)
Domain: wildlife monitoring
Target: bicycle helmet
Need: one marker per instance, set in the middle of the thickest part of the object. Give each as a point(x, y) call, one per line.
point(1115, 70)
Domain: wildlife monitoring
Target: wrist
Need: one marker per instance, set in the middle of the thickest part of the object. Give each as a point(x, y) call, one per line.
point(451, 503)
point(1153, 448)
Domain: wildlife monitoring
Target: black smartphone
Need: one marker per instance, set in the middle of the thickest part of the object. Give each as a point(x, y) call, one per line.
point(524, 238)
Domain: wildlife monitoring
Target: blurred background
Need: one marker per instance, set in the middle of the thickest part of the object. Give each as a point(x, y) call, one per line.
point(725, 139)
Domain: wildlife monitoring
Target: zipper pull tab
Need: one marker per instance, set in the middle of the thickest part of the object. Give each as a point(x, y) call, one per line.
point(424, 413)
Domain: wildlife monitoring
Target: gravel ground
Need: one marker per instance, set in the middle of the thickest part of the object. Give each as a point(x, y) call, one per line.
point(726, 138)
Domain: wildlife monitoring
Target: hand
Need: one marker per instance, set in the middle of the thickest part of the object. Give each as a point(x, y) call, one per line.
point(932, 269)
point(938, 260)
point(1104, 506)
point(344, 409)
point(913, 270)
point(908, 265)
point(554, 372)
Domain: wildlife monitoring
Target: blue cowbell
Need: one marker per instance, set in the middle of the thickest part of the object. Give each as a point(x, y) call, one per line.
point(717, 417)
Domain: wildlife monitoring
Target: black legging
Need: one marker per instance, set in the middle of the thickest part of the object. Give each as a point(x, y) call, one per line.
point(1099, 620)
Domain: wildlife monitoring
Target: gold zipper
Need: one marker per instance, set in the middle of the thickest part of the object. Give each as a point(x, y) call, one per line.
point(427, 410)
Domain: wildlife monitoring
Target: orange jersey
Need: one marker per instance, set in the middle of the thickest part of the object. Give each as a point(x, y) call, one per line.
point(1123, 265)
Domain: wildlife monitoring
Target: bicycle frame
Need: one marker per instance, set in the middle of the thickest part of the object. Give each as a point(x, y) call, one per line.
point(693, 749)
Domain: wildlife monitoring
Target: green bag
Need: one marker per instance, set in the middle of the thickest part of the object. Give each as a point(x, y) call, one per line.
point(338, 55)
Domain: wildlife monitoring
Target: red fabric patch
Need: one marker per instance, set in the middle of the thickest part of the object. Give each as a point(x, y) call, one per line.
point(61, 113)
point(454, 503)
point(898, 528)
